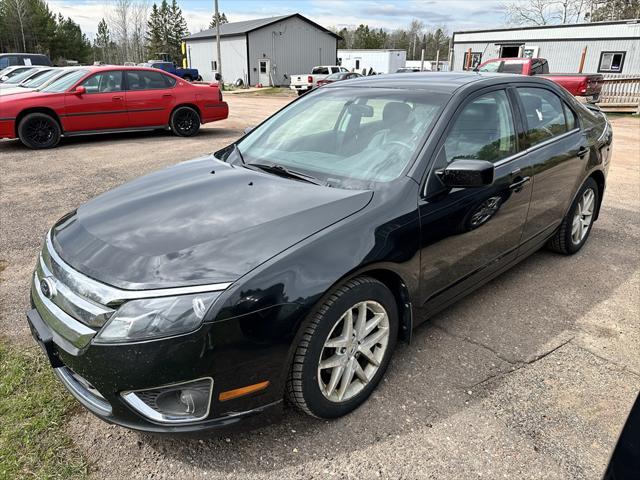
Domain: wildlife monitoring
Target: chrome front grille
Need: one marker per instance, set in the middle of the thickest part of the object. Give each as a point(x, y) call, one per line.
point(70, 295)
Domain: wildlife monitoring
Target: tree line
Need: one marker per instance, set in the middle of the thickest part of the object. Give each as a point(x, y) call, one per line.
point(413, 39)
point(30, 26)
point(552, 12)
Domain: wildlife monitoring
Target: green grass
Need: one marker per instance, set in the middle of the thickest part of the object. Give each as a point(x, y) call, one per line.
point(270, 91)
point(33, 410)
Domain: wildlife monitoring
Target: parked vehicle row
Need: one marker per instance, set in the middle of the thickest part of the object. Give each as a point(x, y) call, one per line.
point(291, 262)
point(307, 82)
point(85, 100)
point(578, 84)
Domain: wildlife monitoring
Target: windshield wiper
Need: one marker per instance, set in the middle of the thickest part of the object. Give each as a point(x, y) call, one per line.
point(285, 172)
point(237, 151)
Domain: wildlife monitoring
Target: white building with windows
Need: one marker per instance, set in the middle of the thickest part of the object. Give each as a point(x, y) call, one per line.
point(611, 47)
point(265, 50)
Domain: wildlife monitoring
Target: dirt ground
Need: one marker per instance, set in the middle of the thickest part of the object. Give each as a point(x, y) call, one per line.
point(531, 376)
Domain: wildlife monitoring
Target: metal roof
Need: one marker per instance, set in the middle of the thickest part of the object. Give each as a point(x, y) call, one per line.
point(241, 28)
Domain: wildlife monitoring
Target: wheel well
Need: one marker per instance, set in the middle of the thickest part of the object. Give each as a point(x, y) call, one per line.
point(26, 112)
point(191, 105)
point(598, 176)
point(401, 293)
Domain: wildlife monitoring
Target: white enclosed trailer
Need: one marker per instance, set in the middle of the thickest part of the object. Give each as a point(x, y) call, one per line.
point(379, 61)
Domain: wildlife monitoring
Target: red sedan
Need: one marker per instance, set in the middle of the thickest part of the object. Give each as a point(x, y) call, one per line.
point(109, 99)
point(337, 77)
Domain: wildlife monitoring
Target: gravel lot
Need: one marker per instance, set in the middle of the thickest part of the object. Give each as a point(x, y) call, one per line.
point(532, 376)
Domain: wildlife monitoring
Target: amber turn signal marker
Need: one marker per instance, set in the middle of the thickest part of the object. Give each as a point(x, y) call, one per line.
point(239, 392)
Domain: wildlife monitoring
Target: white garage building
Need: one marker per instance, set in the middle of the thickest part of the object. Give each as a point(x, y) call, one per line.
point(612, 47)
point(265, 50)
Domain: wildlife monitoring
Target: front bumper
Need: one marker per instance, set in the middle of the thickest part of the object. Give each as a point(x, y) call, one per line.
point(97, 375)
point(7, 127)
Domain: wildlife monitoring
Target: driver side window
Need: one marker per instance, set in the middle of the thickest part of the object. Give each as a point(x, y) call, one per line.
point(482, 131)
point(103, 82)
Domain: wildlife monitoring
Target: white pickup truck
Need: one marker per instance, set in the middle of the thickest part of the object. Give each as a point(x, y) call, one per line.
point(304, 83)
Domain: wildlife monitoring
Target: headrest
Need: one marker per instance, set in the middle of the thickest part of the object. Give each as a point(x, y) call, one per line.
point(395, 112)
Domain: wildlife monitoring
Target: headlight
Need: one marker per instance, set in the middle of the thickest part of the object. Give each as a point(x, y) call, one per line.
point(156, 317)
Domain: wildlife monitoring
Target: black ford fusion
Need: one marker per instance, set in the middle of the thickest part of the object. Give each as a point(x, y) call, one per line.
point(288, 264)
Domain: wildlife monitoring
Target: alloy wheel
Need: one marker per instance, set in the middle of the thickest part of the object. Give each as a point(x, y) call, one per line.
point(583, 216)
point(353, 351)
point(39, 131)
point(186, 120)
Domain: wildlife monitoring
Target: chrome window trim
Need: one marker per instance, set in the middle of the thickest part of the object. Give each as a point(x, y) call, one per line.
point(106, 294)
point(145, 410)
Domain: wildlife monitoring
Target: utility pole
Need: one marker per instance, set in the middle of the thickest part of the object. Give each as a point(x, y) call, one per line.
point(217, 17)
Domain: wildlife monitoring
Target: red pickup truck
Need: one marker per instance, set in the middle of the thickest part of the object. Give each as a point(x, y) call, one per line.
point(578, 84)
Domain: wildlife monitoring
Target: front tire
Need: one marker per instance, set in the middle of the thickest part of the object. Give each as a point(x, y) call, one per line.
point(345, 349)
point(39, 130)
point(576, 225)
point(185, 122)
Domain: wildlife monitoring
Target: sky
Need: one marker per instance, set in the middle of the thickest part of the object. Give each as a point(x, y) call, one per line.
point(455, 14)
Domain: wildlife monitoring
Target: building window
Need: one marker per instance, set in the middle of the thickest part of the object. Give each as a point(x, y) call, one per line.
point(476, 59)
point(357, 64)
point(214, 66)
point(611, 62)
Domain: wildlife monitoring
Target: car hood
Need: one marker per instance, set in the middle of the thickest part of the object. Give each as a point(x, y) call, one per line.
point(13, 90)
point(196, 223)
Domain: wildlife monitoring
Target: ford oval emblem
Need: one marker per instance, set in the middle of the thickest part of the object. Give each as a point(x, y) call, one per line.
point(48, 287)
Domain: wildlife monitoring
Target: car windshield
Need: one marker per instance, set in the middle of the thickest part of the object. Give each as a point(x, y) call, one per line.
point(336, 76)
point(40, 78)
point(346, 136)
point(490, 67)
point(21, 76)
point(65, 82)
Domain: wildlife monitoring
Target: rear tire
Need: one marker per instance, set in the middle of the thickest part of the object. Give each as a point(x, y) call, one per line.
point(187, 78)
point(301, 92)
point(335, 367)
point(39, 131)
point(185, 122)
point(576, 225)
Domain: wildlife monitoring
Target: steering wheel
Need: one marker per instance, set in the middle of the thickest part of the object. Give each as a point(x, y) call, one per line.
point(402, 144)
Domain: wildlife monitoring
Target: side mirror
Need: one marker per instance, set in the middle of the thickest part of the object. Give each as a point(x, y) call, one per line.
point(80, 90)
point(248, 130)
point(467, 174)
point(218, 77)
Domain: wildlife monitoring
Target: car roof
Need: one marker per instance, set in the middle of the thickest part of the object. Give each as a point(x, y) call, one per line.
point(441, 82)
point(105, 68)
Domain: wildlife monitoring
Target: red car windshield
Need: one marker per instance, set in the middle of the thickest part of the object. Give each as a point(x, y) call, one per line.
point(65, 82)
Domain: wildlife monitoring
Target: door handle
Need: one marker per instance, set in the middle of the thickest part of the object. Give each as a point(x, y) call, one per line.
point(165, 95)
point(116, 98)
point(519, 183)
point(582, 151)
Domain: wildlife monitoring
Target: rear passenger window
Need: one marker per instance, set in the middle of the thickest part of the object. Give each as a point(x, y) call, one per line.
point(483, 131)
point(545, 114)
point(147, 80)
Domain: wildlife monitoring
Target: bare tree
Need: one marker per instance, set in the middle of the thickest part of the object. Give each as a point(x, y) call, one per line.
point(545, 12)
point(138, 29)
point(119, 20)
point(19, 9)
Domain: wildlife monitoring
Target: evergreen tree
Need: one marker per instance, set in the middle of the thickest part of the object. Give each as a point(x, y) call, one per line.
point(154, 32)
point(103, 42)
point(223, 19)
point(177, 31)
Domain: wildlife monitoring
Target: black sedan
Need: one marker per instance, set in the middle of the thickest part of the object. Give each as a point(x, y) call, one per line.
point(288, 264)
